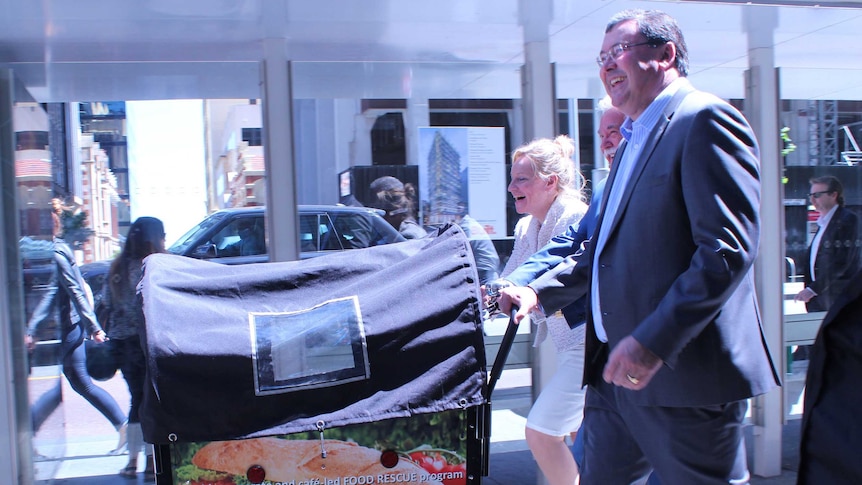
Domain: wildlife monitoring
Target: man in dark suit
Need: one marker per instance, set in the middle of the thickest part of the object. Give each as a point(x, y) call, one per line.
point(834, 253)
point(831, 431)
point(674, 339)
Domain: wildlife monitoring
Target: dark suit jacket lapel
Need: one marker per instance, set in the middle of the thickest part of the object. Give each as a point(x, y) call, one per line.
point(829, 234)
point(652, 142)
point(596, 352)
point(832, 229)
point(612, 176)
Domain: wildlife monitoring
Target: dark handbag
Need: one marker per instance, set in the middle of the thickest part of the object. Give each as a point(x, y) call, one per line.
point(102, 363)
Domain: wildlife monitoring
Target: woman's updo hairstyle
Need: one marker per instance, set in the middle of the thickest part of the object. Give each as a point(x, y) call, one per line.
point(553, 157)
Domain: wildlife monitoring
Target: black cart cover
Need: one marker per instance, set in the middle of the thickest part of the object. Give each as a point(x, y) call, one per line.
point(277, 348)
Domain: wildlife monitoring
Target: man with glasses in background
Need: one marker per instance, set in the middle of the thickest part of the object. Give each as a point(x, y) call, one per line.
point(833, 256)
point(674, 345)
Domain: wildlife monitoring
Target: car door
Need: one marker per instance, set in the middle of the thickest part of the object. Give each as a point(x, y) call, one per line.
point(318, 235)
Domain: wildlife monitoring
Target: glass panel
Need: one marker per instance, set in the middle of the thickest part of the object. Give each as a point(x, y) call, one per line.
point(820, 142)
point(15, 362)
point(103, 181)
point(36, 187)
point(335, 132)
point(309, 233)
point(379, 116)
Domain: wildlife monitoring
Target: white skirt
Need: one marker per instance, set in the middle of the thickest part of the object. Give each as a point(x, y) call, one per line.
point(559, 409)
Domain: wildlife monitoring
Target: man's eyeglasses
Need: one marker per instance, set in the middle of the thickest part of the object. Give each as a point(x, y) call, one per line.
point(816, 195)
point(617, 49)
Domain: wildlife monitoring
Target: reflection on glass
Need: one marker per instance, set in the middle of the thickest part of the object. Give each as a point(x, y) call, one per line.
point(820, 155)
point(35, 183)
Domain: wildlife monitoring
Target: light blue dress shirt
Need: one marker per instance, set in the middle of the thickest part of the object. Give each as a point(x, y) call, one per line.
point(636, 134)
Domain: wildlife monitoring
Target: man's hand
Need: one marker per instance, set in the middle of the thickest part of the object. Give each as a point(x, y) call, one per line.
point(805, 295)
point(30, 342)
point(521, 296)
point(631, 365)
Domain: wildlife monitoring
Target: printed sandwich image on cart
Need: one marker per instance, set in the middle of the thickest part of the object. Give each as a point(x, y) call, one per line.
point(362, 367)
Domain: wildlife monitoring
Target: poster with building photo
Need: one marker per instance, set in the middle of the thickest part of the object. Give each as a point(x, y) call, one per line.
point(462, 173)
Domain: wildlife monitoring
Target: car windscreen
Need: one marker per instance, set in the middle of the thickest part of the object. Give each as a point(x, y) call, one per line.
point(182, 244)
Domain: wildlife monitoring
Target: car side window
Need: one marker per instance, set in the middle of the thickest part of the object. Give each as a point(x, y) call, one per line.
point(243, 236)
point(214, 247)
point(330, 240)
point(309, 233)
point(355, 230)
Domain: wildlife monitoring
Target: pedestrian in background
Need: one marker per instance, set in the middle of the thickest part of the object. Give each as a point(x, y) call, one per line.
point(68, 293)
point(126, 313)
point(833, 256)
point(484, 251)
point(397, 199)
point(674, 343)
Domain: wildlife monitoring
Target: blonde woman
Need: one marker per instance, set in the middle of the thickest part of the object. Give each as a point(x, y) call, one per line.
point(546, 188)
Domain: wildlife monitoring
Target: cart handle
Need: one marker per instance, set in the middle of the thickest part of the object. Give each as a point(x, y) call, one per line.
point(503, 353)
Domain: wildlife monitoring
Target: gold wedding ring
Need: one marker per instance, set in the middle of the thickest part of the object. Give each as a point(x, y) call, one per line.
point(634, 380)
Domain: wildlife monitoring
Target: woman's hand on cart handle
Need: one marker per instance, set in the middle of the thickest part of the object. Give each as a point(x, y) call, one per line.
point(522, 297)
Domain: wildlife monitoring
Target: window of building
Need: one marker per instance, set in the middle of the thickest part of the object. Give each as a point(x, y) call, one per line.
point(31, 140)
point(388, 146)
point(252, 136)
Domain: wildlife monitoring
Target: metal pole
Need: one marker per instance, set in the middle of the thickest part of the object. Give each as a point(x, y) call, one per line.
point(281, 207)
point(762, 111)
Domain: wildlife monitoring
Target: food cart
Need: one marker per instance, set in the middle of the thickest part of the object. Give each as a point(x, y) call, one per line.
point(362, 367)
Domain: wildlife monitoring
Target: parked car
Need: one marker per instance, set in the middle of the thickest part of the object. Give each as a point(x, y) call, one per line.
point(238, 236)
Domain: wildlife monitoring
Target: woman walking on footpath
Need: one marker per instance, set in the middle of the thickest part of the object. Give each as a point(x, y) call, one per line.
point(119, 295)
point(68, 292)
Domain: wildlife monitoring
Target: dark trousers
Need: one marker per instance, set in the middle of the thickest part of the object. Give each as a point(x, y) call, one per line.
point(624, 443)
point(577, 449)
point(45, 405)
point(134, 368)
point(75, 369)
